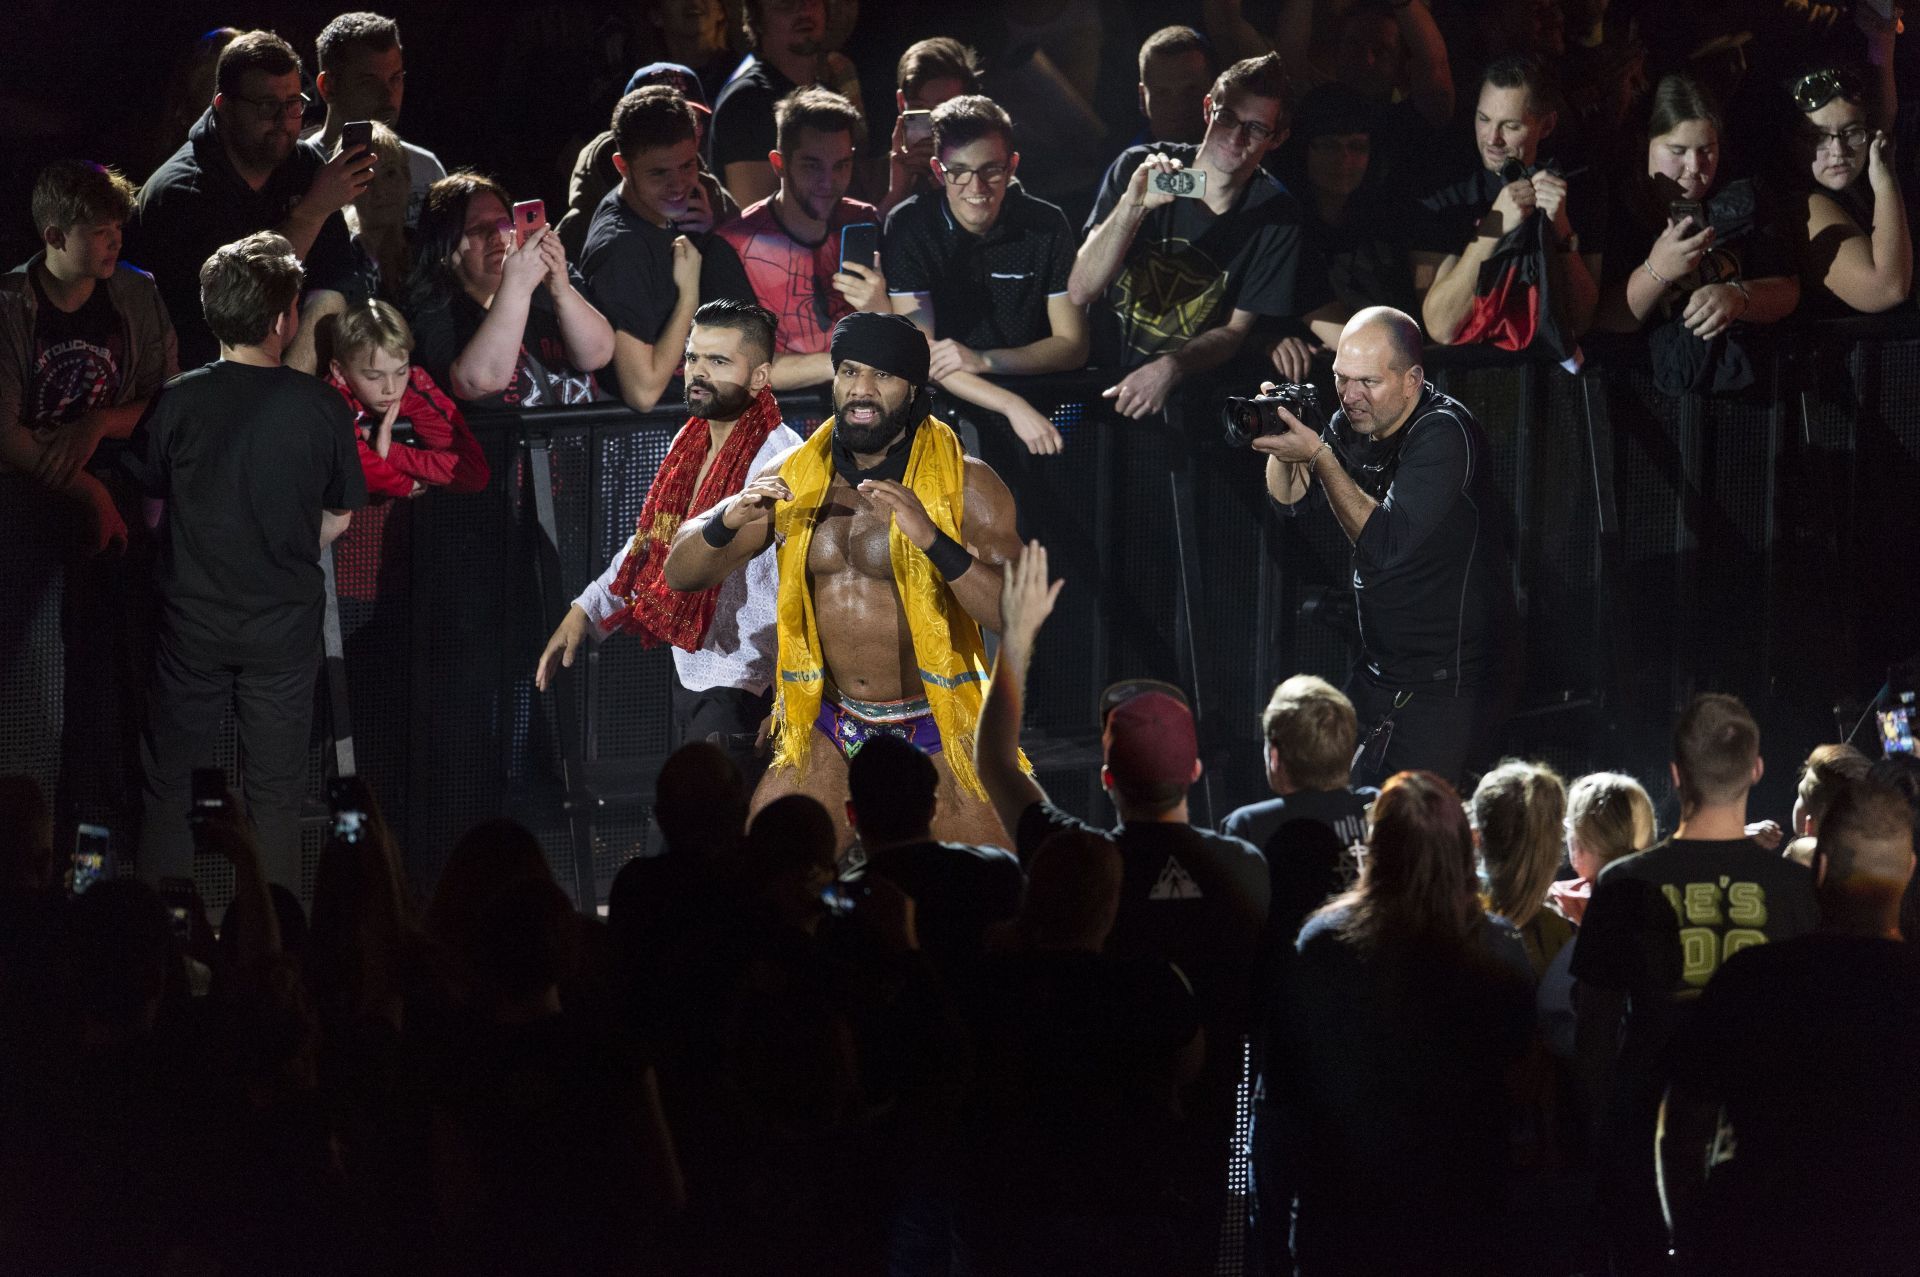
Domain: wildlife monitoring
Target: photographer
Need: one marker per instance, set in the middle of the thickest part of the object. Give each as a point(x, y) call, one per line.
point(1404, 468)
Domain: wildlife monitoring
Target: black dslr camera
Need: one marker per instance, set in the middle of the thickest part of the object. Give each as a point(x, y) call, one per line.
point(1247, 419)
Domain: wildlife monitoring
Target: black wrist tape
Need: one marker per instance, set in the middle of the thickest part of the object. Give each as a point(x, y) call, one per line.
point(950, 559)
point(715, 531)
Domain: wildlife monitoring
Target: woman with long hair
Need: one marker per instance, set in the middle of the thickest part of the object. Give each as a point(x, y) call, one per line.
point(1406, 1006)
point(1519, 813)
point(499, 323)
point(1687, 252)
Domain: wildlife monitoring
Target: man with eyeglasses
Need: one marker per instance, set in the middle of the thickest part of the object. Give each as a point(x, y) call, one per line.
point(243, 169)
point(981, 266)
point(1405, 470)
point(1183, 283)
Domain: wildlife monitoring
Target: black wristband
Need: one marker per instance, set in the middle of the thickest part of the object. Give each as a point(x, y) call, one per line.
point(715, 531)
point(950, 559)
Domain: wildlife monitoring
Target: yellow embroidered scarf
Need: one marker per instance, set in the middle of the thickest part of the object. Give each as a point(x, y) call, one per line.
point(946, 640)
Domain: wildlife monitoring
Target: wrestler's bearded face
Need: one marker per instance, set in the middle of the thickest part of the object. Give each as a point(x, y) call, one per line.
point(871, 408)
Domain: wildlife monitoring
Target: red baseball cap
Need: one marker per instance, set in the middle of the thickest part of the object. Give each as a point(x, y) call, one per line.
point(1149, 740)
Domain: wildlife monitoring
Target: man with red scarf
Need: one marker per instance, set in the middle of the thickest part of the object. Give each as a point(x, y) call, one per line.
point(723, 637)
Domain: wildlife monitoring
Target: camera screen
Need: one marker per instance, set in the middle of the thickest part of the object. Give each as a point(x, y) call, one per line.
point(349, 825)
point(1896, 730)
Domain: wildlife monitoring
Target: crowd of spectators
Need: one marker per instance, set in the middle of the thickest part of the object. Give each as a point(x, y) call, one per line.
point(781, 1053)
point(1517, 1027)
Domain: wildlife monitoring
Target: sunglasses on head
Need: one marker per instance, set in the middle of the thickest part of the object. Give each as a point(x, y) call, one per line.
point(1815, 89)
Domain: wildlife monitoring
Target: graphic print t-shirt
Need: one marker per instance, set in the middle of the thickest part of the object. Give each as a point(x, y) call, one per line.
point(542, 377)
point(78, 359)
point(1188, 270)
point(791, 279)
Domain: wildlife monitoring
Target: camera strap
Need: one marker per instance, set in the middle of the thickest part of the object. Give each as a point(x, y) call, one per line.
point(1372, 754)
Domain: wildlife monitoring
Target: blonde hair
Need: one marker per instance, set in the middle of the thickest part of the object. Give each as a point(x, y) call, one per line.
point(375, 324)
point(1520, 810)
point(1313, 728)
point(1611, 816)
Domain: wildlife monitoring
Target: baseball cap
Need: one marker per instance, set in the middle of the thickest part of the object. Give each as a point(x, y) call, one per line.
point(1149, 740)
point(674, 76)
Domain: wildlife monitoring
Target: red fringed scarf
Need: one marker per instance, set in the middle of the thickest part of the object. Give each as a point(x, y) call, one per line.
point(651, 610)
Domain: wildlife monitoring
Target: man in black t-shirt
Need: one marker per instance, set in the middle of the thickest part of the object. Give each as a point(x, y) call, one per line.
point(257, 465)
point(647, 279)
point(961, 890)
point(1311, 730)
point(1405, 471)
point(982, 267)
point(1808, 1049)
point(1660, 923)
point(1190, 896)
point(787, 53)
point(243, 169)
point(1460, 224)
point(1178, 284)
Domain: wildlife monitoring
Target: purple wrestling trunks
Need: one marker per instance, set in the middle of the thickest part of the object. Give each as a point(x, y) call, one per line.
point(850, 723)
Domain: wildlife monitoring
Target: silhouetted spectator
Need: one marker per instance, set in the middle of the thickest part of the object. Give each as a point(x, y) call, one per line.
point(1406, 1006)
point(1519, 813)
point(1827, 770)
point(1799, 1064)
point(1176, 68)
point(788, 52)
point(1643, 954)
point(960, 891)
point(1074, 1134)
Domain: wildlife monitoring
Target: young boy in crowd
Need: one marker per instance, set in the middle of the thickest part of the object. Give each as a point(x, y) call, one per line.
point(84, 342)
point(254, 460)
point(395, 402)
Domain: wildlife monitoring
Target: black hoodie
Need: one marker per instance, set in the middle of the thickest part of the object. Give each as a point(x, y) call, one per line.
point(196, 202)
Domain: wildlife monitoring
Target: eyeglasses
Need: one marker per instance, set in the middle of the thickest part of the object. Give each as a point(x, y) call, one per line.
point(1231, 123)
point(274, 108)
point(991, 174)
point(1848, 139)
point(1816, 89)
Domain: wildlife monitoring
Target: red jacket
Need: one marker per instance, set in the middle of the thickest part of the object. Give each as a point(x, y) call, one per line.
point(452, 458)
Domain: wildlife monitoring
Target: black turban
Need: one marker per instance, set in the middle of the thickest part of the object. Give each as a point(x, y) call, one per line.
point(890, 343)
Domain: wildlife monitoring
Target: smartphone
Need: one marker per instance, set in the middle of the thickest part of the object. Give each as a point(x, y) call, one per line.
point(1187, 182)
point(209, 792)
point(842, 898)
point(349, 816)
point(1688, 208)
point(92, 856)
point(355, 136)
point(1896, 728)
point(859, 242)
point(529, 219)
point(403, 432)
point(182, 899)
point(918, 127)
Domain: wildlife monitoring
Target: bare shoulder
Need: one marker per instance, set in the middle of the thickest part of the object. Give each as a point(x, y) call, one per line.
point(983, 483)
point(1826, 213)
